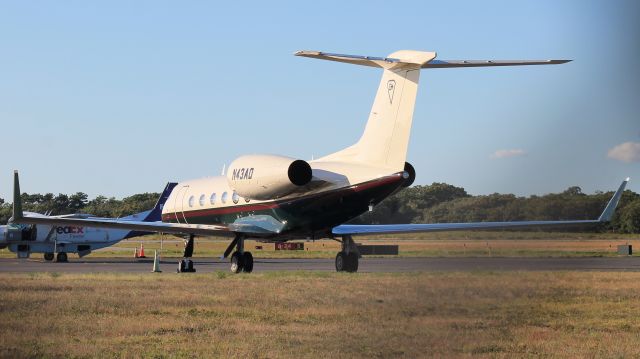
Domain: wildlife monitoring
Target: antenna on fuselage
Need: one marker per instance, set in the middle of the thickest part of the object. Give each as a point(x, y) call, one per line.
point(224, 167)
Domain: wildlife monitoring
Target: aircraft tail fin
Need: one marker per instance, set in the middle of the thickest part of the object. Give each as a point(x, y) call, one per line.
point(151, 215)
point(154, 214)
point(386, 136)
point(17, 199)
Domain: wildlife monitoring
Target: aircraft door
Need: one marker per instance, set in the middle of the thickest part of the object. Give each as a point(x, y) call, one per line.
point(178, 204)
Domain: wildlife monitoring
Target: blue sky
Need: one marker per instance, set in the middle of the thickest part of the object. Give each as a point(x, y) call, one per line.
point(119, 97)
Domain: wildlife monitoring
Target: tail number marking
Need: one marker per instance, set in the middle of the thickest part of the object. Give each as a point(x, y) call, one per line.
point(242, 174)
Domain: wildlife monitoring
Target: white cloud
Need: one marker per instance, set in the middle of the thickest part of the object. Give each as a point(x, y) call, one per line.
point(626, 152)
point(508, 153)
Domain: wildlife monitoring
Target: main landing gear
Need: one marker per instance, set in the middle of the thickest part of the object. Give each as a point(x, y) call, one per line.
point(61, 257)
point(48, 256)
point(241, 261)
point(347, 259)
point(186, 264)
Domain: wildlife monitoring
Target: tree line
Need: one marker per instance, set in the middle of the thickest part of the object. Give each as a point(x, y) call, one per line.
point(435, 203)
point(78, 202)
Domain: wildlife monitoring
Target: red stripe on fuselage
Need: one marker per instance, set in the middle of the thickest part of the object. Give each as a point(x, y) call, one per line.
point(223, 210)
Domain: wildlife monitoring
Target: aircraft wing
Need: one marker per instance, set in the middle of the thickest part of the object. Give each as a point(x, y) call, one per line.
point(355, 229)
point(161, 227)
point(256, 225)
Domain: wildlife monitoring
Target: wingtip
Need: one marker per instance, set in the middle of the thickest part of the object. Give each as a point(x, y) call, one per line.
point(607, 214)
point(627, 179)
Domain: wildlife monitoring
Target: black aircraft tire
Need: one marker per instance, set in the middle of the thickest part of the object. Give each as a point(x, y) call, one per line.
point(190, 266)
point(48, 256)
point(341, 262)
point(182, 266)
point(352, 262)
point(236, 262)
point(62, 257)
point(247, 259)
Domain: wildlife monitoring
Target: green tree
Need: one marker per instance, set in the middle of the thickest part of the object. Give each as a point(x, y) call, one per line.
point(630, 218)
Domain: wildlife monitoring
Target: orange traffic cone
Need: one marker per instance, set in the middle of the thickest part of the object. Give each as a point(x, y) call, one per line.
point(135, 253)
point(141, 255)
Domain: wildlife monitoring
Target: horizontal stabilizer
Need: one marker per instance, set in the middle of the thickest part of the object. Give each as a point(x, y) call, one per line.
point(397, 59)
point(437, 64)
point(425, 60)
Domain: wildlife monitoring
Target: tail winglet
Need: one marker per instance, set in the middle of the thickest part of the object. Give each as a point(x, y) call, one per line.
point(607, 214)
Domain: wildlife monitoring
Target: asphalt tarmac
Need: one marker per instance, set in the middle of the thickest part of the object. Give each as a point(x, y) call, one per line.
point(389, 264)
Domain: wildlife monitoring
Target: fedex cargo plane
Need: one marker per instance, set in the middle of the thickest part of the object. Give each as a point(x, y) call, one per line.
point(279, 198)
point(56, 241)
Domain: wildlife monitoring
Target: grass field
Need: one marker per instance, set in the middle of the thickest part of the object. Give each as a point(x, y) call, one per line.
point(309, 314)
point(444, 244)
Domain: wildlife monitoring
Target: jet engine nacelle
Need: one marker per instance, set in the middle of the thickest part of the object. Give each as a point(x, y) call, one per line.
point(263, 177)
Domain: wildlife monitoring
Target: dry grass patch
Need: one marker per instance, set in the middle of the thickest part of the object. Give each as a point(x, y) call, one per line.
point(309, 314)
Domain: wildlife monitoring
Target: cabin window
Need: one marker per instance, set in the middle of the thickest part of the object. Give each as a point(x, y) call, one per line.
point(223, 198)
point(191, 200)
point(201, 200)
point(234, 197)
point(212, 199)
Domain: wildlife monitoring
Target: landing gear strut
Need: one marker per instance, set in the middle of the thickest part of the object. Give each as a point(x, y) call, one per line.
point(347, 259)
point(186, 264)
point(241, 261)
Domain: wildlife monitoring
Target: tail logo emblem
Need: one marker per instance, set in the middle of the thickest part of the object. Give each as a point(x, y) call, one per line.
point(391, 88)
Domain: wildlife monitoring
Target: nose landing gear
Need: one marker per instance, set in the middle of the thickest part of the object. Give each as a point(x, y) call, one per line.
point(186, 264)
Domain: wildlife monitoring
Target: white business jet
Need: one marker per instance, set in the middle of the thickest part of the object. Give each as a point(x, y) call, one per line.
point(277, 198)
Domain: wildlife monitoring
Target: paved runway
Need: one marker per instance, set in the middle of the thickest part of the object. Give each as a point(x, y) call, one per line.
point(366, 264)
